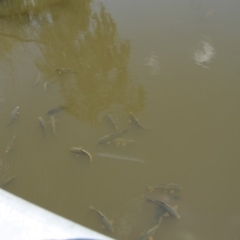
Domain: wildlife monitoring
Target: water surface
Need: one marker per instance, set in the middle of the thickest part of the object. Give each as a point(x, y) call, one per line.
point(174, 64)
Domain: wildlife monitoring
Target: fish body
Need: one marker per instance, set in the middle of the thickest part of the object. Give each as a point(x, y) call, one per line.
point(166, 186)
point(64, 70)
point(148, 234)
point(42, 124)
point(123, 141)
point(135, 121)
point(45, 86)
point(110, 137)
point(37, 81)
point(110, 119)
point(166, 207)
point(123, 158)
point(11, 144)
point(8, 180)
point(56, 110)
point(106, 222)
point(169, 209)
point(14, 115)
point(53, 124)
point(79, 150)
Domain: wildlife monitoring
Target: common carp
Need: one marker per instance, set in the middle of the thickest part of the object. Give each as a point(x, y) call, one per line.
point(110, 119)
point(123, 141)
point(166, 186)
point(110, 137)
point(8, 180)
point(56, 110)
point(37, 81)
point(121, 158)
point(171, 210)
point(135, 121)
point(53, 124)
point(107, 223)
point(14, 115)
point(45, 86)
point(11, 144)
point(64, 70)
point(42, 124)
point(79, 150)
point(148, 234)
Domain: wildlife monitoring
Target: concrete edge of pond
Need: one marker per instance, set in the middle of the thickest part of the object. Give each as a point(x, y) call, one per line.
point(22, 220)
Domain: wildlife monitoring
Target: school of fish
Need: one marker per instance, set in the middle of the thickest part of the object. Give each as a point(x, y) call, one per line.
point(117, 137)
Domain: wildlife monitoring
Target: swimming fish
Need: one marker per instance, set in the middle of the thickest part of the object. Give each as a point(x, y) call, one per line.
point(56, 110)
point(42, 124)
point(107, 223)
point(64, 70)
point(53, 124)
point(123, 141)
point(135, 160)
point(45, 86)
point(165, 186)
point(37, 81)
point(172, 211)
point(79, 150)
point(8, 180)
point(110, 119)
point(148, 234)
point(135, 121)
point(14, 115)
point(11, 144)
point(110, 137)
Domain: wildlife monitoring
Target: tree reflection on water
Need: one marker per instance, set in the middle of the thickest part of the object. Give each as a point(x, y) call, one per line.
point(82, 36)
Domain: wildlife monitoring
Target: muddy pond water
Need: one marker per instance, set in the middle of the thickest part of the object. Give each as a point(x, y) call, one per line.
point(173, 64)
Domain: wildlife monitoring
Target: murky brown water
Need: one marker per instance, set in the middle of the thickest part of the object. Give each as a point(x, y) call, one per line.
point(174, 64)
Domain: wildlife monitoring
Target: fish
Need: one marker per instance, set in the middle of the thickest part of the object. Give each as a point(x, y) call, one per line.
point(11, 144)
point(45, 86)
point(79, 150)
point(148, 234)
point(165, 186)
point(169, 209)
point(110, 137)
point(166, 207)
point(64, 70)
point(53, 124)
point(42, 124)
point(56, 110)
point(37, 81)
point(14, 115)
point(8, 180)
point(135, 121)
point(107, 223)
point(110, 119)
point(120, 157)
point(123, 141)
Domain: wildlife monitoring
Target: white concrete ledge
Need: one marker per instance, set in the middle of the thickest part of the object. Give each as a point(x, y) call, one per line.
point(21, 220)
